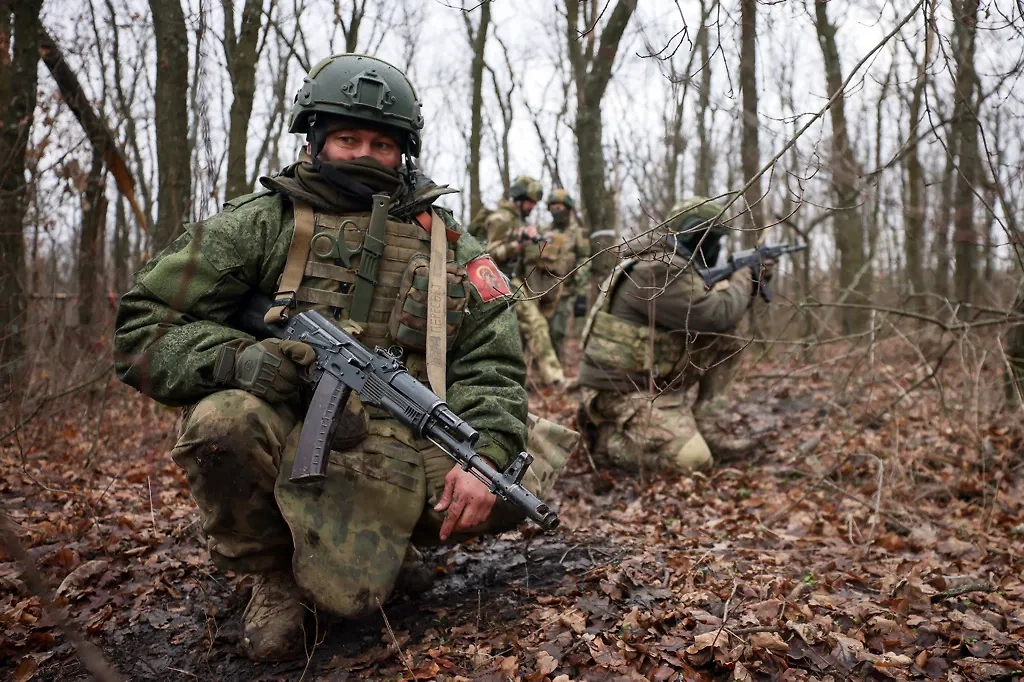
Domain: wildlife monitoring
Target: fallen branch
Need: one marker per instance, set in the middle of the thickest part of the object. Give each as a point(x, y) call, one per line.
point(963, 589)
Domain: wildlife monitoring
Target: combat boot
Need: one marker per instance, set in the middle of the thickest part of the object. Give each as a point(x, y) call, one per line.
point(724, 446)
point(272, 622)
point(416, 576)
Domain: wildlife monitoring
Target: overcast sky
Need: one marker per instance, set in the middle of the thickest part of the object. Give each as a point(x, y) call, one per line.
point(634, 106)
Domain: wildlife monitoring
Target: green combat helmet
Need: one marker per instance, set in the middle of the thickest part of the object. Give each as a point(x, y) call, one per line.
point(697, 223)
point(361, 87)
point(561, 196)
point(526, 187)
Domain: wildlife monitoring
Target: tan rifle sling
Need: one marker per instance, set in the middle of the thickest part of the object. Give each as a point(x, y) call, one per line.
point(437, 306)
point(294, 265)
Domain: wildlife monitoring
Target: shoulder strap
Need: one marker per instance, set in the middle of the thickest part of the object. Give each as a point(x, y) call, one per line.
point(437, 307)
point(294, 265)
point(604, 296)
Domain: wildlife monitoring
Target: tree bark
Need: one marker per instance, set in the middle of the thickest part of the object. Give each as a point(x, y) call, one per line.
point(854, 269)
point(94, 125)
point(122, 250)
point(749, 146)
point(241, 53)
point(964, 235)
point(350, 28)
point(478, 41)
point(702, 173)
point(945, 211)
point(592, 62)
point(1015, 357)
point(171, 106)
point(90, 242)
point(914, 209)
point(19, 59)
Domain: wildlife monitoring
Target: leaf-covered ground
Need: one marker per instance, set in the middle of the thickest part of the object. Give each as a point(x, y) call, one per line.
point(866, 539)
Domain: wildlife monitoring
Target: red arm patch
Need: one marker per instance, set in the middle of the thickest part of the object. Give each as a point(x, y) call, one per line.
point(488, 280)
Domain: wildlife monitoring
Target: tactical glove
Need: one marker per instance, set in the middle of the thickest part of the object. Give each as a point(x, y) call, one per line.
point(274, 369)
point(762, 279)
point(579, 306)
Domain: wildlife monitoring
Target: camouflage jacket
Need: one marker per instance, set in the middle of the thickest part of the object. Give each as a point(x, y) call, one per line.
point(562, 258)
point(502, 226)
point(661, 292)
point(172, 323)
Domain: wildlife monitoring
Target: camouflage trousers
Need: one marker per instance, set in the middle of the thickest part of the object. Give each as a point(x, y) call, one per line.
point(659, 431)
point(558, 325)
point(344, 538)
point(533, 327)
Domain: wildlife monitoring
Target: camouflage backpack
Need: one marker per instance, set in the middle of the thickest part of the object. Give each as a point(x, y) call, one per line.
point(478, 225)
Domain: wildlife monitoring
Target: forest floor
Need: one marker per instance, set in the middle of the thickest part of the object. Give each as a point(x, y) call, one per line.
point(876, 533)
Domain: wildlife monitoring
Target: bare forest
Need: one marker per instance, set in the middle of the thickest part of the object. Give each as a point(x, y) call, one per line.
point(876, 533)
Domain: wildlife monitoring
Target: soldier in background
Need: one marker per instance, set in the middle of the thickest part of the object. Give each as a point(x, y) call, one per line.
point(654, 332)
point(557, 270)
point(509, 241)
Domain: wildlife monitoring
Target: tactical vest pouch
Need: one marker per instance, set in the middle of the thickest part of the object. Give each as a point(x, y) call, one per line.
point(408, 322)
point(615, 343)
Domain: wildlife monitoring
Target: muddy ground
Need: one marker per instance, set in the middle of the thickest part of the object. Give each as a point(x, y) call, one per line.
point(863, 539)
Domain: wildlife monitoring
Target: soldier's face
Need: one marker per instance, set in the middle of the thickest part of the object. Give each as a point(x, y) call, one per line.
point(350, 144)
point(526, 205)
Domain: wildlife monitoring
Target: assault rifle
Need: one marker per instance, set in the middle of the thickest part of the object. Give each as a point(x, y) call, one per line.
point(751, 258)
point(512, 266)
point(343, 365)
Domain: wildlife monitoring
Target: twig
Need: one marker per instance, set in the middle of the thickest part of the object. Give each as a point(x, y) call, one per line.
point(394, 639)
point(861, 501)
point(49, 398)
point(963, 589)
point(90, 655)
point(725, 612)
point(152, 514)
point(752, 630)
point(317, 641)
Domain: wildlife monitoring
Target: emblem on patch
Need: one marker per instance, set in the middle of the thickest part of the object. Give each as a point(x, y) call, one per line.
point(487, 278)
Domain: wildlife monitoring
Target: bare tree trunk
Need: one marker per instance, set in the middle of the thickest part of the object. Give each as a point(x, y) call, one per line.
point(171, 106)
point(90, 244)
point(123, 107)
point(914, 209)
point(965, 236)
point(19, 58)
point(749, 144)
point(854, 269)
point(945, 211)
point(122, 249)
point(703, 171)
point(478, 41)
point(350, 28)
point(241, 53)
point(591, 60)
point(1015, 357)
point(504, 156)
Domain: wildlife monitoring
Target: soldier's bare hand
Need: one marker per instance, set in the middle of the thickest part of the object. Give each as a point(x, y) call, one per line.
point(767, 271)
point(528, 232)
point(466, 501)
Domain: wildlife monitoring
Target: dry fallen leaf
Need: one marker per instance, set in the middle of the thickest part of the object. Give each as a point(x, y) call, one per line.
point(770, 641)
